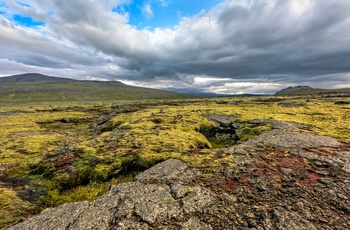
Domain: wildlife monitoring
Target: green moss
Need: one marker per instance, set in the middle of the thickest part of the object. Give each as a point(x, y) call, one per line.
point(80, 193)
point(250, 131)
point(19, 171)
point(101, 172)
point(12, 208)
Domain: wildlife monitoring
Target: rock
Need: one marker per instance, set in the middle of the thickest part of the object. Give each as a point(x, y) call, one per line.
point(296, 180)
point(103, 120)
point(195, 224)
point(80, 215)
point(65, 120)
point(222, 120)
point(291, 139)
point(169, 171)
point(342, 102)
point(346, 167)
point(284, 136)
point(151, 202)
point(286, 220)
point(163, 196)
point(224, 131)
point(128, 224)
point(287, 171)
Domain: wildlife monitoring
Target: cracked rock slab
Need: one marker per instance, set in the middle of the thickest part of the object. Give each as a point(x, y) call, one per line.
point(283, 136)
point(154, 203)
point(168, 172)
point(166, 203)
point(81, 215)
point(290, 139)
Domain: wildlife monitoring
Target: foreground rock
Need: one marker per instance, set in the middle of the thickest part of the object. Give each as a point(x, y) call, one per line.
point(164, 196)
point(285, 179)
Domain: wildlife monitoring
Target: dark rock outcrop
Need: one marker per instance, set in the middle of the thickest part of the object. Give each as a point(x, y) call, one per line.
point(224, 131)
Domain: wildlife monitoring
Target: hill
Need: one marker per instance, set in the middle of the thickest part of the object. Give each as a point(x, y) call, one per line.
point(37, 87)
point(32, 77)
point(307, 90)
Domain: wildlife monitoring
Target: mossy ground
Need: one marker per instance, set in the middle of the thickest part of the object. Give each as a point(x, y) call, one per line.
point(57, 153)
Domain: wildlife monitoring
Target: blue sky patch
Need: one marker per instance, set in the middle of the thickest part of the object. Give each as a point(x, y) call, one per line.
point(26, 21)
point(163, 13)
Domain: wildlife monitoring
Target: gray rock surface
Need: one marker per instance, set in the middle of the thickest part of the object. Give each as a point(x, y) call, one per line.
point(284, 136)
point(163, 196)
point(291, 139)
point(222, 120)
point(170, 171)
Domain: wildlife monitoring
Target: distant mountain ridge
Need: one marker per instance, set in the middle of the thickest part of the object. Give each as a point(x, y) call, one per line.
point(35, 87)
point(307, 90)
point(293, 89)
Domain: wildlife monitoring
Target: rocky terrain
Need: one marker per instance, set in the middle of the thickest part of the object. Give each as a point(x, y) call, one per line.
point(283, 179)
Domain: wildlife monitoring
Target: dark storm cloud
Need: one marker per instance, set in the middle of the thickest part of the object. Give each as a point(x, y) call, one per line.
point(267, 39)
point(36, 60)
point(272, 39)
point(31, 47)
point(262, 41)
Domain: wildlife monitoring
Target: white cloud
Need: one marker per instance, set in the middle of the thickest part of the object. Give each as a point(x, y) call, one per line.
point(245, 88)
point(90, 78)
point(147, 10)
point(164, 3)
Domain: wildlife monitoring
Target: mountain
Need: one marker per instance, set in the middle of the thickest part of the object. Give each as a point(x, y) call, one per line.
point(32, 77)
point(294, 90)
point(307, 90)
point(37, 87)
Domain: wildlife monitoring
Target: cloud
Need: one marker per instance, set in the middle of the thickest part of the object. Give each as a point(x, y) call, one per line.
point(209, 84)
point(147, 11)
point(265, 44)
point(164, 3)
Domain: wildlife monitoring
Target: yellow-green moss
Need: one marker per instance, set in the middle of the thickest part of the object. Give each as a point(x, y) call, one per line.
point(250, 131)
point(79, 193)
point(12, 208)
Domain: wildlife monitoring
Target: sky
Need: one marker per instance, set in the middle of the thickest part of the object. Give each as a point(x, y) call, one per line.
point(203, 46)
